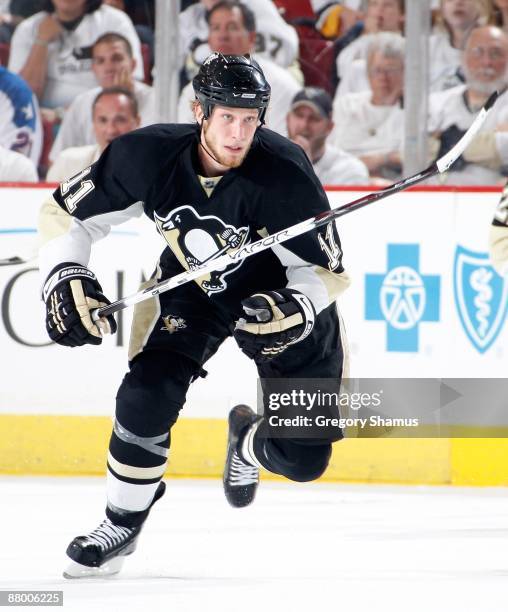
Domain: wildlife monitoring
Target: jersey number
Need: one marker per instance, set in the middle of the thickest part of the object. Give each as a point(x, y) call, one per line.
point(72, 200)
point(275, 44)
point(330, 247)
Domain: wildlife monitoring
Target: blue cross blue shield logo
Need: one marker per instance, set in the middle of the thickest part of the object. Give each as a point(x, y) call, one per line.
point(403, 297)
point(481, 297)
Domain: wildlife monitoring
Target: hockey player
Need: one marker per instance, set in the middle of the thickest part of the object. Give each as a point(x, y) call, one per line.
point(498, 239)
point(210, 187)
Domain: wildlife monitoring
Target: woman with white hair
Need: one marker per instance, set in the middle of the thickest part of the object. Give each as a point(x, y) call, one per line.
point(370, 124)
point(380, 16)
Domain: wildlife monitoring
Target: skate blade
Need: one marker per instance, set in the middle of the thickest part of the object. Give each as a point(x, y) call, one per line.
point(110, 568)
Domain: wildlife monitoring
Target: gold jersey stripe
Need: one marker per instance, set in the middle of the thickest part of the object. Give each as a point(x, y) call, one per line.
point(129, 471)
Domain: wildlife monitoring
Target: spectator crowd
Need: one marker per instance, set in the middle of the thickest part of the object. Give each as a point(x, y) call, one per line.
point(75, 74)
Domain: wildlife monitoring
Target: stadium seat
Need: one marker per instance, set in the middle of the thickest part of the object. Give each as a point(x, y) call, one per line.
point(4, 54)
point(317, 57)
point(294, 9)
point(316, 54)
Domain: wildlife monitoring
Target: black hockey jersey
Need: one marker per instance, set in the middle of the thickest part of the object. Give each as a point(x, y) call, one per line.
point(498, 237)
point(155, 170)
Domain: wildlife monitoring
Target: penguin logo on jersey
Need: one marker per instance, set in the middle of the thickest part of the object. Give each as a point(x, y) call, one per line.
point(172, 323)
point(195, 240)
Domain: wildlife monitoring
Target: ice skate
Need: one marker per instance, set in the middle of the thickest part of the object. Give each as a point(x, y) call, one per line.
point(102, 552)
point(240, 478)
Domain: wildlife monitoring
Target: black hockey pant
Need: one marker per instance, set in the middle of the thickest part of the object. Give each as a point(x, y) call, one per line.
point(152, 394)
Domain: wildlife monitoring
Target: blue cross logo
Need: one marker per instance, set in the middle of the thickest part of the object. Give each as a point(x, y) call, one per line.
point(402, 297)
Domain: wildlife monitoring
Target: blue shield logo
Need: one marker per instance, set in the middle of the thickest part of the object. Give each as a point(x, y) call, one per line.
point(480, 296)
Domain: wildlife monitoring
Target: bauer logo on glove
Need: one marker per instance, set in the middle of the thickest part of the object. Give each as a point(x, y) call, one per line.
point(273, 321)
point(71, 292)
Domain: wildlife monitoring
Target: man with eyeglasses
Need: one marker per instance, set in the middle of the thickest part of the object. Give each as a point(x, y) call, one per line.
point(485, 67)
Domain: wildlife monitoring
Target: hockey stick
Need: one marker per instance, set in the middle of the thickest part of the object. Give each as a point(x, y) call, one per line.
point(441, 165)
point(15, 260)
point(23, 256)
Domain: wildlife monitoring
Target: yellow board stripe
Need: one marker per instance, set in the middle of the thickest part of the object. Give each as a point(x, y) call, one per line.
point(74, 445)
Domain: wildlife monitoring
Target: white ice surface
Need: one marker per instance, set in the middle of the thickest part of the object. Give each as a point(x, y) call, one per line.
point(300, 547)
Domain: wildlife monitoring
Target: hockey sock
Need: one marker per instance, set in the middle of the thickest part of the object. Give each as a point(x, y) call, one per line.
point(133, 480)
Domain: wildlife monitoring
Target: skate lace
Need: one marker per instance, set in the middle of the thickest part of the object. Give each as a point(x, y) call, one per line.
point(241, 473)
point(108, 535)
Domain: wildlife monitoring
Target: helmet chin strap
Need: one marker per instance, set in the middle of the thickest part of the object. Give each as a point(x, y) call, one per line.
point(201, 138)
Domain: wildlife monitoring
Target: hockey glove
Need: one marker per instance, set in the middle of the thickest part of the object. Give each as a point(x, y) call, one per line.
point(274, 320)
point(449, 138)
point(70, 292)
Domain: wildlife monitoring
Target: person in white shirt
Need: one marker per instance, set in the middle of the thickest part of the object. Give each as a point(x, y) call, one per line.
point(370, 124)
point(233, 31)
point(455, 19)
point(448, 38)
point(114, 112)
point(309, 123)
point(113, 65)
point(15, 167)
point(276, 40)
point(52, 49)
point(380, 16)
point(451, 112)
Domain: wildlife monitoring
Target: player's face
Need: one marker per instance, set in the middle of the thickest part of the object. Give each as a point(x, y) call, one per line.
point(307, 122)
point(384, 16)
point(113, 117)
point(228, 134)
point(109, 61)
point(460, 14)
point(227, 33)
point(386, 77)
point(486, 59)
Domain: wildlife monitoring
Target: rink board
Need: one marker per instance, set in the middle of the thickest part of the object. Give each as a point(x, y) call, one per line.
point(56, 404)
point(64, 445)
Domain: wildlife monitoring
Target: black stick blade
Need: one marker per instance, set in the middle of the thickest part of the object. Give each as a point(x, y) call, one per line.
point(491, 101)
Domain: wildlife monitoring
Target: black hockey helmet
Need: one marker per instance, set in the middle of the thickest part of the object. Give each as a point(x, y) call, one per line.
point(231, 80)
